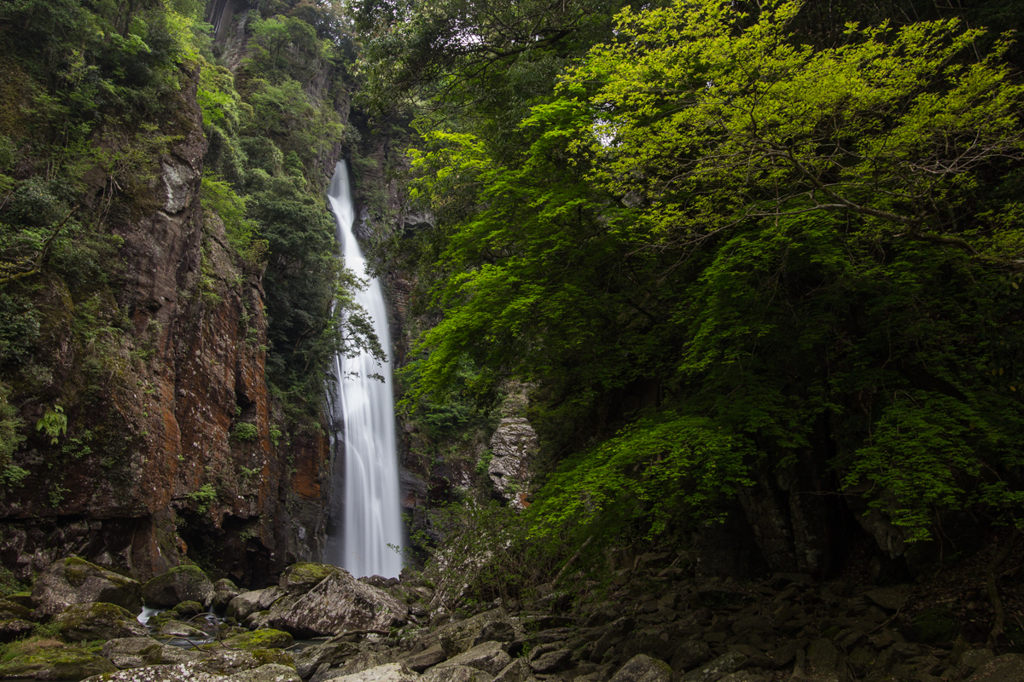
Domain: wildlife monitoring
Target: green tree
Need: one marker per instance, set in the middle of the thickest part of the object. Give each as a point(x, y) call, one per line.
point(811, 249)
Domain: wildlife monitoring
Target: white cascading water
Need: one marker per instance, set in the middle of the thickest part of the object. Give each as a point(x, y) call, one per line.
point(369, 540)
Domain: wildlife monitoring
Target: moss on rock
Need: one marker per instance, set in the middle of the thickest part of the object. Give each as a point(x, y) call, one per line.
point(261, 639)
point(48, 660)
point(98, 620)
point(302, 577)
point(181, 583)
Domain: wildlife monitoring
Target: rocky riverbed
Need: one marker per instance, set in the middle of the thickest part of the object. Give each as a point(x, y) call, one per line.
point(655, 623)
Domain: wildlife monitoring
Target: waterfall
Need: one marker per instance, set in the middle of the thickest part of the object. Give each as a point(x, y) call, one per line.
point(363, 407)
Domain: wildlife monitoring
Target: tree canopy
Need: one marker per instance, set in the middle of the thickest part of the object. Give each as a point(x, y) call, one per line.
point(811, 247)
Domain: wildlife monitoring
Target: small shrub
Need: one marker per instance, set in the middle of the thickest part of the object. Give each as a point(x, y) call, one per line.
point(244, 432)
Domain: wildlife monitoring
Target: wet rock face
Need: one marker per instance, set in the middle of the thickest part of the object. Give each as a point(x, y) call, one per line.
point(513, 445)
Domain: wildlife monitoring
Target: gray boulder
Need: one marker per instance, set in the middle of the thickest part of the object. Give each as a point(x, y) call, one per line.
point(76, 581)
point(271, 672)
point(15, 628)
point(98, 620)
point(427, 658)
point(337, 604)
point(181, 583)
point(309, 660)
point(516, 671)
point(391, 672)
point(551, 661)
point(181, 672)
point(489, 657)
point(1005, 668)
point(712, 671)
point(456, 673)
point(460, 636)
point(247, 603)
point(643, 668)
point(133, 652)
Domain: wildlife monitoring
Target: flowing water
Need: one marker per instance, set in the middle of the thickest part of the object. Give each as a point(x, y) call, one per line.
point(366, 525)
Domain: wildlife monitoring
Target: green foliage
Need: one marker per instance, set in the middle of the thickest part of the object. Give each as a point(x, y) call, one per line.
point(243, 233)
point(54, 423)
point(203, 498)
point(10, 438)
point(659, 470)
point(244, 432)
point(807, 246)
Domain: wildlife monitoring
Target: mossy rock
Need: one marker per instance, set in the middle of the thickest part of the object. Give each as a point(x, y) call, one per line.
point(15, 628)
point(176, 628)
point(98, 620)
point(10, 609)
point(186, 610)
point(261, 639)
point(133, 652)
point(181, 583)
point(223, 661)
point(56, 662)
point(223, 592)
point(302, 577)
point(76, 581)
point(935, 625)
point(22, 598)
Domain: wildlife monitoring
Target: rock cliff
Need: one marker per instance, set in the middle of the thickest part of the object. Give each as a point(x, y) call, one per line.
point(172, 446)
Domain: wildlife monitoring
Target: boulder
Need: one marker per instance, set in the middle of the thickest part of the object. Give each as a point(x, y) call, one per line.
point(516, 671)
point(180, 672)
point(221, 661)
point(456, 673)
point(14, 628)
point(76, 581)
point(309, 660)
point(1005, 668)
point(247, 603)
point(338, 603)
point(181, 583)
point(643, 668)
point(391, 672)
point(174, 655)
point(98, 620)
point(489, 657)
point(272, 672)
point(175, 628)
point(689, 654)
point(10, 609)
point(460, 636)
point(363, 660)
point(300, 578)
point(223, 592)
point(427, 658)
point(185, 610)
point(133, 652)
point(551, 661)
point(260, 639)
point(55, 662)
point(718, 668)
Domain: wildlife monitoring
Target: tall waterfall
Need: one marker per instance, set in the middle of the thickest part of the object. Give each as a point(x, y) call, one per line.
point(369, 503)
